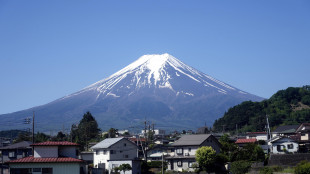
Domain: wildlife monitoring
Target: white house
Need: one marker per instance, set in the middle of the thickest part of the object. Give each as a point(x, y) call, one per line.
point(257, 135)
point(185, 149)
point(282, 145)
point(112, 152)
point(50, 158)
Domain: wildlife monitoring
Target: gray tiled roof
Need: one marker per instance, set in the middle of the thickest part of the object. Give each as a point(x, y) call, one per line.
point(195, 140)
point(106, 143)
point(286, 129)
point(20, 145)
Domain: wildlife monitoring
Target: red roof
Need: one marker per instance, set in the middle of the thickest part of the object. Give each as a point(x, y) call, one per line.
point(31, 159)
point(135, 139)
point(241, 141)
point(55, 143)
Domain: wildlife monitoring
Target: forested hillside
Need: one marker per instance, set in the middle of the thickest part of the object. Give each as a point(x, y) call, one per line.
point(290, 106)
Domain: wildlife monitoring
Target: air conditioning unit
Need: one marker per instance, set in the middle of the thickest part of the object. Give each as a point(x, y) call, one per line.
point(186, 154)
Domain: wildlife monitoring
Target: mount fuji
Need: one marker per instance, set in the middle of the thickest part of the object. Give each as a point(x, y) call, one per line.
point(159, 88)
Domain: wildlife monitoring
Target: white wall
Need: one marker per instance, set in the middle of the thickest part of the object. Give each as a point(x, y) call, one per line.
point(58, 168)
point(284, 142)
point(48, 151)
point(120, 153)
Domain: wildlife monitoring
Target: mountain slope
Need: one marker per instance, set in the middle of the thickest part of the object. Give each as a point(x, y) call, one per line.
point(286, 107)
point(157, 87)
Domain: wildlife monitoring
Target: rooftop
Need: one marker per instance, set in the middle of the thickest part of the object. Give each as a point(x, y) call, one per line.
point(106, 143)
point(46, 160)
point(186, 140)
point(286, 129)
point(20, 145)
point(242, 141)
point(55, 143)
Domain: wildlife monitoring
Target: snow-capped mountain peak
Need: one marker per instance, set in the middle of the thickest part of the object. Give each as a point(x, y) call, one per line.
point(158, 71)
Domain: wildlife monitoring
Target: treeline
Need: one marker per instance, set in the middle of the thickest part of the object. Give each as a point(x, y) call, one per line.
point(286, 107)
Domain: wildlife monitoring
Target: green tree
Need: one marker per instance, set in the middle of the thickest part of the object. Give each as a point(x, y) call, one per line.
point(124, 167)
point(41, 137)
point(205, 156)
point(86, 131)
point(240, 167)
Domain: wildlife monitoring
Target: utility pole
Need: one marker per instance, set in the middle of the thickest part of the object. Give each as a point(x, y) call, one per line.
point(33, 127)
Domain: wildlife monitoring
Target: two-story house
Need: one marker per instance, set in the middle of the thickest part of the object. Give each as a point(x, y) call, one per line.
point(183, 156)
point(112, 152)
point(50, 158)
point(282, 145)
point(13, 152)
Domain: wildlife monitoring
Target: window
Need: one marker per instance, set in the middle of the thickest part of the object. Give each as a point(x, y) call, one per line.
point(180, 151)
point(12, 154)
point(47, 170)
point(125, 156)
point(290, 146)
point(36, 170)
point(179, 163)
point(190, 164)
point(125, 144)
point(112, 152)
point(120, 151)
point(97, 152)
point(189, 149)
point(104, 152)
point(280, 148)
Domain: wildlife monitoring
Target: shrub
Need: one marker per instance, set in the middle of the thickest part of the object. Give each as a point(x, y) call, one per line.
point(266, 170)
point(240, 167)
point(302, 168)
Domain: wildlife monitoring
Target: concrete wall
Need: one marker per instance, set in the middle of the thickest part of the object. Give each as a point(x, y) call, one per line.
point(287, 159)
point(48, 151)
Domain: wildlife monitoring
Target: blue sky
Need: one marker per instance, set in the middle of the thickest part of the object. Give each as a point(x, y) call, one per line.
point(49, 49)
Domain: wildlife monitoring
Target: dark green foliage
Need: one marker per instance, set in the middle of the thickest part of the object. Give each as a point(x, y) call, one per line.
point(60, 137)
point(302, 168)
point(251, 152)
point(157, 164)
point(111, 133)
point(240, 167)
point(86, 131)
point(23, 136)
point(124, 167)
point(266, 170)
point(41, 137)
point(290, 106)
point(13, 134)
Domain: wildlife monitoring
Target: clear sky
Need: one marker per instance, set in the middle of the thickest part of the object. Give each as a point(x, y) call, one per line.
point(49, 49)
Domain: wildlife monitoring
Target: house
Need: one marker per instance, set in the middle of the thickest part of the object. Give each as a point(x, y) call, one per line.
point(282, 145)
point(13, 152)
point(241, 142)
point(50, 157)
point(287, 130)
point(156, 152)
point(183, 155)
point(112, 152)
point(203, 130)
point(257, 135)
point(303, 137)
